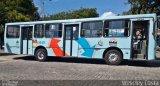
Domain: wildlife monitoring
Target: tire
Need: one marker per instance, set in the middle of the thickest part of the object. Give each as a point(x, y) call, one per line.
point(41, 55)
point(113, 57)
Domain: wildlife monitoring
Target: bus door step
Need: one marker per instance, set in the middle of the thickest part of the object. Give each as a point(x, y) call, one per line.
point(139, 56)
point(138, 51)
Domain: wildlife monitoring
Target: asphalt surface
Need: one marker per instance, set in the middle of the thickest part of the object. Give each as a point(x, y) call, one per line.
point(21, 67)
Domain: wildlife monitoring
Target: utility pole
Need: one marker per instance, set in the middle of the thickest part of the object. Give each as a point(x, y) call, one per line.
point(43, 9)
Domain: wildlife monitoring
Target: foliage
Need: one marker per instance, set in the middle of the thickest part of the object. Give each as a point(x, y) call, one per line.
point(80, 13)
point(16, 11)
point(144, 6)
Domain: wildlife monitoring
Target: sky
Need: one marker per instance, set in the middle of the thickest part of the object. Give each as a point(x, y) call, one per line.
point(103, 6)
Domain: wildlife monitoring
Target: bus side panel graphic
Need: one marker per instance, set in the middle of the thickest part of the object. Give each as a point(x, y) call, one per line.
point(88, 50)
point(56, 48)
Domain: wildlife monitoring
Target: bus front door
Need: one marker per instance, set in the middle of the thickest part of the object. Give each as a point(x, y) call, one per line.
point(71, 33)
point(26, 43)
point(140, 39)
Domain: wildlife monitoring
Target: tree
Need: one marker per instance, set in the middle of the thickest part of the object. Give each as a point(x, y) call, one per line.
point(16, 11)
point(80, 13)
point(144, 6)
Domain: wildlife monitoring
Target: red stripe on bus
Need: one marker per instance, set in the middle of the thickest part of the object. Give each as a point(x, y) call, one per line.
point(55, 47)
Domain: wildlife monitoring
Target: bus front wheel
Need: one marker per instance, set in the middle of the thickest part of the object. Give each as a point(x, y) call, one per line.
point(41, 55)
point(113, 57)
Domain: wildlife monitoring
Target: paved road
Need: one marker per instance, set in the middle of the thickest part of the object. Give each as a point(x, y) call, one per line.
point(20, 67)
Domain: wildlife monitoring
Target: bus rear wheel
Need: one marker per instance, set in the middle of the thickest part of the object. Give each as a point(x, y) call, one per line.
point(113, 57)
point(41, 55)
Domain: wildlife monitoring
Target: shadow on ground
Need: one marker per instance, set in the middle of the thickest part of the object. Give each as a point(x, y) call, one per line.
point(155, 63)
point(6, 54)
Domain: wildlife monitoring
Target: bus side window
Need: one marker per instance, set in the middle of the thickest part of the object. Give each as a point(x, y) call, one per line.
point(158, 27)
point(53, 30)
point(158, 33)
point(13, 31)
point(91, 29)
point(116, 28)
point(39, 31)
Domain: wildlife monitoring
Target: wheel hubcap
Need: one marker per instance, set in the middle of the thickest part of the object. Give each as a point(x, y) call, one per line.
point(113, 57)
point(40, 55)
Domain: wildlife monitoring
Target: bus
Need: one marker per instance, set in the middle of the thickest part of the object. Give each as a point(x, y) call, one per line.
point(113, 38)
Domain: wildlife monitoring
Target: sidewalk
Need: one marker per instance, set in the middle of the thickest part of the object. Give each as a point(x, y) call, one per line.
point(7, 56)
point(2, 53)
point(10, 57)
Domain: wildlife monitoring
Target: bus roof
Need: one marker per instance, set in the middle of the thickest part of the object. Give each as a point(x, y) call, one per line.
point(85, 19)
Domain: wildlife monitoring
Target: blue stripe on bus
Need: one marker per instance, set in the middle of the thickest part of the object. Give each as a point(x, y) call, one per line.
point(84, 44)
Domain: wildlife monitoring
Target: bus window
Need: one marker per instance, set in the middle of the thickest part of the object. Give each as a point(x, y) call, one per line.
point(39, 31)
point(116, 28)
point(53, 30)
point(159, 23)
point(92, 29)
point(13, 31)
point(158, 32)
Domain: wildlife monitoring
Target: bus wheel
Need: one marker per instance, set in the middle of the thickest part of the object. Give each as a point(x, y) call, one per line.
point(41, 55)
point(113, 57)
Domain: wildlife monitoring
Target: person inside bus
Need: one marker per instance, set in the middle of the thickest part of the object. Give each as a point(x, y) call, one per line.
point(138, 38)
point(99, 33)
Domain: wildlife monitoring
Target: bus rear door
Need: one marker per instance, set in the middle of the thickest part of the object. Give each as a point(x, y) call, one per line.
point(71, 33)
point(26, 39)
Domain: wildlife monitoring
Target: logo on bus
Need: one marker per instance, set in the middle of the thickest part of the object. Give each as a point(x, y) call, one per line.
point(113, 42)
point(41, 42)
point(100, 43)
point(34, 43)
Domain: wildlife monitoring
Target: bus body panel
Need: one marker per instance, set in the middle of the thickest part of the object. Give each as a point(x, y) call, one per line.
point(84, 47)
point(54, 46)
point(95, 47)
point(151, 44)
point(12, 46)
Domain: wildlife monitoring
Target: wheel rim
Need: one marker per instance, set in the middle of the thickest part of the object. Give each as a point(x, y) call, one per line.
point(113, 57)
point(40, 55)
